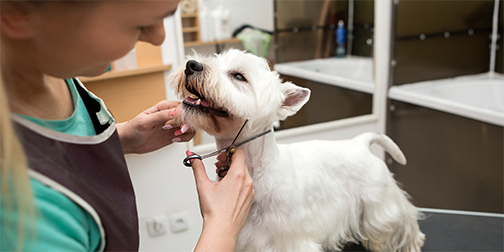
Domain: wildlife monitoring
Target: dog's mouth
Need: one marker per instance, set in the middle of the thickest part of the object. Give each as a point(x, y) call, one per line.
point(198, 102)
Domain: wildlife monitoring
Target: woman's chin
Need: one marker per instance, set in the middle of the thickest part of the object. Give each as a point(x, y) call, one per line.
point(95, 71)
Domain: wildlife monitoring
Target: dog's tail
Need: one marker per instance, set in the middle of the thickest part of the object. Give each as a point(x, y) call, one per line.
point(386, 143)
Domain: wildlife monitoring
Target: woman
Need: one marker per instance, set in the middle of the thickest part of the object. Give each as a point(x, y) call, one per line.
point(64, 183)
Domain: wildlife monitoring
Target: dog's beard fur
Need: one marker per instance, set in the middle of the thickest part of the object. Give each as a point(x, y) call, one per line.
point(309, 195)
point(197, 119)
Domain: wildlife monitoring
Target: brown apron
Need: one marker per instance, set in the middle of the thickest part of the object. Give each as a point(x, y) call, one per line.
point(93, 168)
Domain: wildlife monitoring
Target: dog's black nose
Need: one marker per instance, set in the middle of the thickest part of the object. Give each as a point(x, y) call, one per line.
point(193, 66)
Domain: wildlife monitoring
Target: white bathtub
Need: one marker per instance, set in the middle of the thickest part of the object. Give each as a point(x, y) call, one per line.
point(479, 97)
point(354, 73)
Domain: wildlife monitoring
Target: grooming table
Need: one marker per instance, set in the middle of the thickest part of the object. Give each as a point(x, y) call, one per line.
point(449, 230)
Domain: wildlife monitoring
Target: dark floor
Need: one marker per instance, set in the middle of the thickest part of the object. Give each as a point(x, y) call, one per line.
point(354, 247)
point(458, 232)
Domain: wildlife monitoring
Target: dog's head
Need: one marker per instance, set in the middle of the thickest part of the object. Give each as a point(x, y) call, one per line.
point(221, 91)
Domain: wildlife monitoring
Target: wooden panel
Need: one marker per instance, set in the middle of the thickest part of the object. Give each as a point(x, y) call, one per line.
point(127, 97)
point(127, 93)
point(148, 55)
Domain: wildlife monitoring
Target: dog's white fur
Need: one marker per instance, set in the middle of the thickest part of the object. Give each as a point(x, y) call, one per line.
point(310, 196)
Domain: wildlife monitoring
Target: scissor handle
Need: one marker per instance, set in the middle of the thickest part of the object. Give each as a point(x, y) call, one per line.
point(187, 161)
point(223, 170)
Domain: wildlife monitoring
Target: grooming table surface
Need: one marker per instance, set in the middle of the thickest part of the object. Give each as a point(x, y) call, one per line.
point(448, 230)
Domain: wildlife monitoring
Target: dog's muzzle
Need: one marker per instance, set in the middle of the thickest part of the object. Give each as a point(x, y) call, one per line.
point(196, 100)
point(193, 66)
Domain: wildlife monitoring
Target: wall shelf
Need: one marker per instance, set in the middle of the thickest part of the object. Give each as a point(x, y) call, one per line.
point(190, 29)
point(215, 42)
point(188, 15)
point(127, 73)
point(190, 26)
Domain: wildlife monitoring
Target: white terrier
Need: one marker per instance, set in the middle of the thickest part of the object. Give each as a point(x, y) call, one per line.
point(309, 196)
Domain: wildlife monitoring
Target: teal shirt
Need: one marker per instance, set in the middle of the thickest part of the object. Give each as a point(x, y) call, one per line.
point(78, 124)
point(61, 224)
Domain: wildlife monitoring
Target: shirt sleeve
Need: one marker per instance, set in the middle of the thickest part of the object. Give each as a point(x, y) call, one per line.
point(60, 225)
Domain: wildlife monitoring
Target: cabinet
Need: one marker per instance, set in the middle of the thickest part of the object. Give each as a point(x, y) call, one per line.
point(127, 93)
point(191, 28)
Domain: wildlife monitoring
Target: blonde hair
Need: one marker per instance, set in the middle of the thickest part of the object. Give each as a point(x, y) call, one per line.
point(16, 197)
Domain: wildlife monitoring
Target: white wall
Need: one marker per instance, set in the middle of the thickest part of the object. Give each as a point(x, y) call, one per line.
point(258, 13)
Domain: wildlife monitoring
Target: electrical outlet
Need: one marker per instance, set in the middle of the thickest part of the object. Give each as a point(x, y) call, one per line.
point(157, 226)
point(179, 222)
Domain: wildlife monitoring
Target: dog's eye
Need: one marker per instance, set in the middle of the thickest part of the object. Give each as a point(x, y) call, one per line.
point(239, 76)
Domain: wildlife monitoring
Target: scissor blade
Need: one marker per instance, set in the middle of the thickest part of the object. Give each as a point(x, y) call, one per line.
point(211, 154)
point(252, 138)
point(239, 132)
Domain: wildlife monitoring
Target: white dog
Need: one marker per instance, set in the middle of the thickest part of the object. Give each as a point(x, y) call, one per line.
point(310, 196)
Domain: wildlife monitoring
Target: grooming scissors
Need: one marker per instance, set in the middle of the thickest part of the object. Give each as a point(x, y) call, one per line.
point(230, 150)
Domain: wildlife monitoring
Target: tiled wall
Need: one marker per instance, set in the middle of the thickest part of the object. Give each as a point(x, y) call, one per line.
point(441, 39)
point(298, 31)
point(453, 162)
point(327, 103)
point(298, 35)
point(362, 44)
point(499, 66)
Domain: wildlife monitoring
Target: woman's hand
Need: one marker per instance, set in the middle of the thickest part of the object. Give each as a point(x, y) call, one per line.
point(224, 204)
point(147, 131)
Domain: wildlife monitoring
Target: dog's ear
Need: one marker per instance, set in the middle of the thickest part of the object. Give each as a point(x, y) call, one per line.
point(295, 98)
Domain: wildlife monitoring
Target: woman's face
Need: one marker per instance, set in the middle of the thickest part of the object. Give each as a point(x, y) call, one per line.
point(81, 39)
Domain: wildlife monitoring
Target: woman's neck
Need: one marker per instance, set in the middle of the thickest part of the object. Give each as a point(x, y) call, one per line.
point(37, 95)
